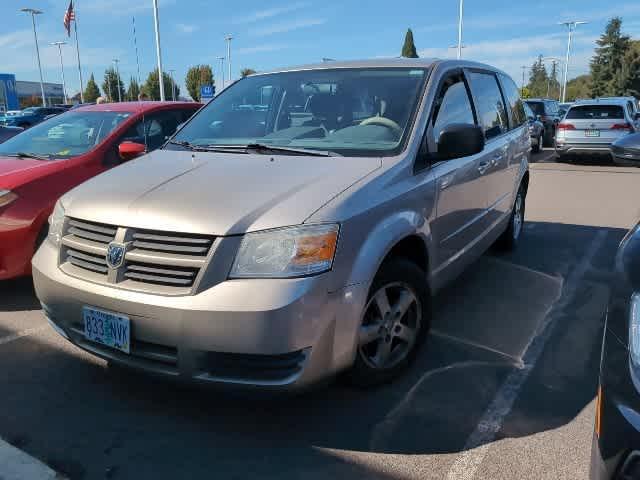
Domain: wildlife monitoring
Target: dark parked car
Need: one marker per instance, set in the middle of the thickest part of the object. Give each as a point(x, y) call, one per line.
point(536, 129)
point(616, 441)
point(626, 150)
point(31, 116)
point(549, 114)
point(7, 132)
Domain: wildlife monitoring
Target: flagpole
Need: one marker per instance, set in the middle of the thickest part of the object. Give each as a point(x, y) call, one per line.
point(75, 26)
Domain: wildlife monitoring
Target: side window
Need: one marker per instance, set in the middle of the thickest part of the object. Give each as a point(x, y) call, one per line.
point(492, 113)
point(453, 106)
point(516, 105)
point(153, 130)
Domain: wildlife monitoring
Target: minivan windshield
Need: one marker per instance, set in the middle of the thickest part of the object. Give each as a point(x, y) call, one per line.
point(65, 135)
point(353, 112)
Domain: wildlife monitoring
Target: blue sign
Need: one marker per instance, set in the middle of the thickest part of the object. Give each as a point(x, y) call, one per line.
point(207, 92)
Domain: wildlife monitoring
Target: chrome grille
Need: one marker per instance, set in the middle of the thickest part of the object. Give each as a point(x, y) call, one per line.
point(156, 261)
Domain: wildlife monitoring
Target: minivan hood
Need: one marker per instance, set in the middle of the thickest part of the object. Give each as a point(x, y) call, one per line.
point(214, 193)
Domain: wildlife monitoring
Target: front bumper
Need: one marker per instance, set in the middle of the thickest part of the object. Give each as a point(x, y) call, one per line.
point(274, 334)
point(17, 241)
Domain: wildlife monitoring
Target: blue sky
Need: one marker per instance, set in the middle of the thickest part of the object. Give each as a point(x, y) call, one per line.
point(506, 34)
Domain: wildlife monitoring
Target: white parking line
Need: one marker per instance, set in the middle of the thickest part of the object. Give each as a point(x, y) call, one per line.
point(479, 442)
point(17, 465)
point(23, 333)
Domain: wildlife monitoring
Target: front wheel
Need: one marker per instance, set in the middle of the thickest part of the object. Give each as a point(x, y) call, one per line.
point(394, 323)
point(509, 239)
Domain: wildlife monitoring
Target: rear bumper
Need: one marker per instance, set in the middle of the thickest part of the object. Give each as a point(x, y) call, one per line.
point(266, 334)
point(563, 147)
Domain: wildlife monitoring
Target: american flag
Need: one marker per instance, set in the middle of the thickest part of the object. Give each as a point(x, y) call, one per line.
point(69, 16)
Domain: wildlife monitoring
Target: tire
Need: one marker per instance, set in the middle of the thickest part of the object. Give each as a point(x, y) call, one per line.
point(509, 239)
point(387, 345)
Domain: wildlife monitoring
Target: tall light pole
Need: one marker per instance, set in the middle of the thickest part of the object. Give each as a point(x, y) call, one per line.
point(33, 13)
point(571, 26)
point(64, 84)
point(460, 29)
point(228, 38)
point(554, 62)
point(116, 61)
point(158, 52)
point(173, 85)
point(222, 71)
point(524, 70)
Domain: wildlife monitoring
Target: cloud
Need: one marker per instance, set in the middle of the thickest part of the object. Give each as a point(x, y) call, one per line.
point(271, 12)
point(186, 27)
point(260, 49)
point(120, 7)
point(286, 26)
point(17, 39)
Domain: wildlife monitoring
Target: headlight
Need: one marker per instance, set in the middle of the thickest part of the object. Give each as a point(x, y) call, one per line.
point(634, 330)
point(286, 252)
point(6, 197)
point(56, 221)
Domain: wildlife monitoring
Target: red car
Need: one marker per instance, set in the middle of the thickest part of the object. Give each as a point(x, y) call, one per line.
point(42, 163)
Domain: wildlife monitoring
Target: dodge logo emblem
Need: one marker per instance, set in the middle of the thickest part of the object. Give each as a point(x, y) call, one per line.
point(115, 254)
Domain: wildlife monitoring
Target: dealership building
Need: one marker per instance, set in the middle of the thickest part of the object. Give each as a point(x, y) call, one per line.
point(17, 94)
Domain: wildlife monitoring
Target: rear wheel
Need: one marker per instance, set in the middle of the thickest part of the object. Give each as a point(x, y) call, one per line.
point(394, 323)
point(509, 239)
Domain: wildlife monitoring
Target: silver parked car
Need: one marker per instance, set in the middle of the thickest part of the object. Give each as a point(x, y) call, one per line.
point(295, 227)
point(590, 127)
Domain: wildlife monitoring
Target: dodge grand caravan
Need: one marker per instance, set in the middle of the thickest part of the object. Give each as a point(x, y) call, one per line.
point(296, 227)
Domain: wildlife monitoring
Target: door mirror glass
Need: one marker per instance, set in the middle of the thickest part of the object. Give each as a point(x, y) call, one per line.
point(459, 140)
point(129, 150)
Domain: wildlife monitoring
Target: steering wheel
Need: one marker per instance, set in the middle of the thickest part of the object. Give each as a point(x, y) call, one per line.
point(383, 122)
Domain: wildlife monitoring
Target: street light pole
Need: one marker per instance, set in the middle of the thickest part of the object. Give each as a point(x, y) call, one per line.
point(158, 52)
point(228, 38)
point(173, 86)
point(33, 13)
point(460, 29)
point(524, 69)
point(64, 84)
point(571, 26)
point(554, 62)
point(222, 71)
point(116, 61)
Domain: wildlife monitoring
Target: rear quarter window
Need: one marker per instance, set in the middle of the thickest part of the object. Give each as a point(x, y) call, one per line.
point(595, 112)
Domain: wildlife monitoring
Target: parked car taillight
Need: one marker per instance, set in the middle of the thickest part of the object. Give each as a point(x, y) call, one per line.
point(622, 126)
point(566, 126)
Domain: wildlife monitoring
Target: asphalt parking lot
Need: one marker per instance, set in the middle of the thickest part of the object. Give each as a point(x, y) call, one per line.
point(503, 388)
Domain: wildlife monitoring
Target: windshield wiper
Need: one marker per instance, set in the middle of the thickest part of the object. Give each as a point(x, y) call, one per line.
point(29, 155)
point(202, 148)
point(264, 148)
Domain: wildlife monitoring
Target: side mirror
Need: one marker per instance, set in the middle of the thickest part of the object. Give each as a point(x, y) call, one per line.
point(530, 118)
point(538, 117)
point(460, 140)
point(129, 150)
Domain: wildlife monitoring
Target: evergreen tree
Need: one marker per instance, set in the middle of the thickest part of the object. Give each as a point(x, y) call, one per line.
point(631, 70)
point(197, 76)
point(554, 83)
point(607, 73)
point(579, 87)
point(133, 91)
point(538, 79)
point(111, 84)
point(91, 92)
point(245, 72)
point(409, 48)
point(152, 86)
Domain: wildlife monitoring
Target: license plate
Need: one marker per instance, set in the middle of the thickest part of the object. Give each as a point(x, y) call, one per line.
point(107, 328)
point(592, 133)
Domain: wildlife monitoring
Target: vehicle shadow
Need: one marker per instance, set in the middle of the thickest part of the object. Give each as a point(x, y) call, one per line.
point(18, 295)
point(107, 420)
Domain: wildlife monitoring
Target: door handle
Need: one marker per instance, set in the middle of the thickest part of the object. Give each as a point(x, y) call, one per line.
point(496, 160)
point(483, 167)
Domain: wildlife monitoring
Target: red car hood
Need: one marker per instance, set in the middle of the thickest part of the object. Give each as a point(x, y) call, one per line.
point(17, 171)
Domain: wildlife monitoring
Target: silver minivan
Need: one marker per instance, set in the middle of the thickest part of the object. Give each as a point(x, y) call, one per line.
point(296, 227)
point(590, 127)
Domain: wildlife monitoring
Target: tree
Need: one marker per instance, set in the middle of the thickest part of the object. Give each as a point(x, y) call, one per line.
point(409, 48)
point(579, 87)
point(538, 79)
point(91, 92)
point(245, 72)
point(111, 84)
point(554, 84)
point(631, 70)
point(607, 74)
point(134, 90)
point(197, 76)
point(152, 86)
